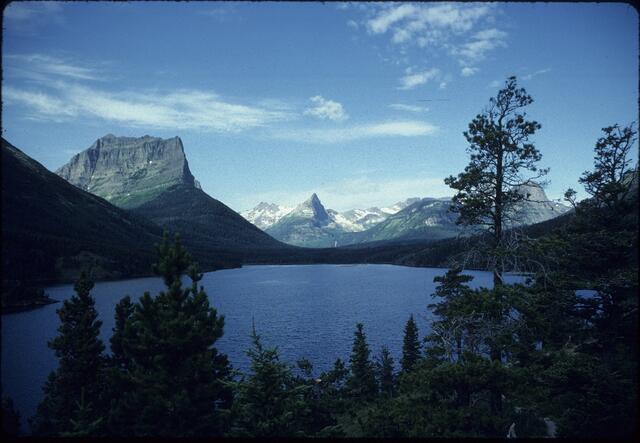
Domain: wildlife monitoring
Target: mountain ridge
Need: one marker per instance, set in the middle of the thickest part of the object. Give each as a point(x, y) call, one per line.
point(150, 176)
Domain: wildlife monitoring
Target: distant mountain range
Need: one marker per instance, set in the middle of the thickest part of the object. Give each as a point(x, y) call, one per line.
point(55, 225)
point(311, 225)
point(265, 215)
point(150, 176)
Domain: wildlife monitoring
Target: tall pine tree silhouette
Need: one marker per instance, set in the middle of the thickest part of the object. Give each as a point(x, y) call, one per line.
point(165, 354)
point(81, 363)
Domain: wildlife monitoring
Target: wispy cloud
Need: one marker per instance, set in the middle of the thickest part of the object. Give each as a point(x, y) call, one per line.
point(409, 128)
point(465, 32)
point(29, 11)
point(475, 50)
point(223, 13)
point(412, 80)
point(468, 71)
point(179, 110)
point(326, 109)
point(27, 17)
point(535, 74)
point(356, 192)
point(408, 108)
point(42, 67)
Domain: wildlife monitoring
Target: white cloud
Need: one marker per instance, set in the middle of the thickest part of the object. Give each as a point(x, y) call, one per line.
point(326, 109)
point(495, 84)
point(179, 110)
point(43, 66)
point(411, 81)
point(223, 13)
point(443, 85)
point(26, 18)
point(468, 71)
point(476, 49)
point(356, 192)
point(410, 128)
point(465, 32)
point(388, 17)
point(353, 24)
point(30, 11)
point(45, 106)
point(408, 108)
point(534, 74)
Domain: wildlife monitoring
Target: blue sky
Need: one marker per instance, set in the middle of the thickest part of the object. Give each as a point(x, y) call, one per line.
point(274, 101)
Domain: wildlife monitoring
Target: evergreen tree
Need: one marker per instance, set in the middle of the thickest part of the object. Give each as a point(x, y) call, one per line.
point(500, 152)
point(164, 356)
point(610, 181)
point(362, 382)
point(410, 345)
point(84, 423)
point(81, 364)
point(269, 403)
point(384, 369)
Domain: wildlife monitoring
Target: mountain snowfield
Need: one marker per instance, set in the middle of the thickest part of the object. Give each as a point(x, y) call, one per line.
point(310, 224)
point(265, 215)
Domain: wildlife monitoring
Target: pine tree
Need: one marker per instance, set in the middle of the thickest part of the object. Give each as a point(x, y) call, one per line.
point(362, 382)
point(500, 152)
point(410, 345)
point(384, 369)
point(269, 403)
point(165, 357)
point(81, 364)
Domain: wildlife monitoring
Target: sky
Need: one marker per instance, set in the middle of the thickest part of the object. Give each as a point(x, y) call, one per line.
point(363, 103)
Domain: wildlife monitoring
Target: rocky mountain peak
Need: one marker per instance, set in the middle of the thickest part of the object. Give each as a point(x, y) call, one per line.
point(532, 191)
point(128, 171)
point(313, 208)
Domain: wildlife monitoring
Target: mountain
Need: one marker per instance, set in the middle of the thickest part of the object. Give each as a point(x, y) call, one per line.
point(426, 219)
point(51, 229)
point(151, 177)
point(308, 224)
point(537, 207)
point(128, 171)
point(356, 220)
point(266, 214)
point(430, 218)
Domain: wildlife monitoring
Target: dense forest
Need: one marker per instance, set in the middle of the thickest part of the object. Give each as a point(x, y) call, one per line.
point(530, 360)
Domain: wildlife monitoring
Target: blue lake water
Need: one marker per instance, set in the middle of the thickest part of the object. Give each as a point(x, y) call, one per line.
point(306, 311)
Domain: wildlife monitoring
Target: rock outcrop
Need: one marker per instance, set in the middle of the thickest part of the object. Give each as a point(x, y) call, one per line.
point(128, 171)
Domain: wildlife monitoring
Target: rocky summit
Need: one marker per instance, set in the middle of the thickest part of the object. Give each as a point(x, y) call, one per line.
point(150, 177)
point(309, 224)
point(129, 171)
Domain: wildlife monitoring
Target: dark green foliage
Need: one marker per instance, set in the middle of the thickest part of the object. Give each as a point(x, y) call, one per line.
point(81, 365)
point(10, 418)
point(164, 360)
point(51, 229)
point(84, 422)
point(410, 345)
point(384, 372)
point(609, 183)
point(500, 151)
point(362, 382)
point(269, 403)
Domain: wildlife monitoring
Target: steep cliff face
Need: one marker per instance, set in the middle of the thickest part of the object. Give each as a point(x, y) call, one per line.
point(535, 208)
point(150, 177)
point(129, 171)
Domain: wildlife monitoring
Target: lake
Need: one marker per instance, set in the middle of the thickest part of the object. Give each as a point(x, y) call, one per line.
point(306, 311)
